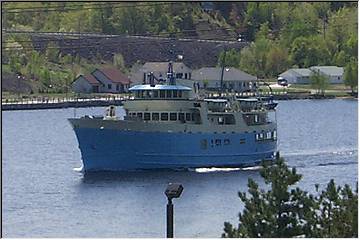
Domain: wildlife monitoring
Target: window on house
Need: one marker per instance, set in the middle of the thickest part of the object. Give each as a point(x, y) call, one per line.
point(173, 116)
point(155, 116)
point(179, 75)
point(109, 86)
point(147, 116)
point(117, 87)
point(139, 114)
point(185, 75)
point(164, 116)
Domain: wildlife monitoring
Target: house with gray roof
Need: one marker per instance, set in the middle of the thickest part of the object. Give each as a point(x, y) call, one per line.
point(159, 69)
point(233, 79)
point(297, 75)
point(302, 75)
point(334, 73)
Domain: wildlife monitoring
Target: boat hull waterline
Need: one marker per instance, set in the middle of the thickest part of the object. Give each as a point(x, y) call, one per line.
point(117, 150)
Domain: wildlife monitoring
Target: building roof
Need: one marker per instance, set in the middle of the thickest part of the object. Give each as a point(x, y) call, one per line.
point(298, 72)
point(90, 79)
point(162, 66)
point(114, 75)
point(214, 73)
point(159, 87)
point(329, 70)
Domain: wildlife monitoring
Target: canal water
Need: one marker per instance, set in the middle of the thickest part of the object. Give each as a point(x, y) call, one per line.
point(43, 196)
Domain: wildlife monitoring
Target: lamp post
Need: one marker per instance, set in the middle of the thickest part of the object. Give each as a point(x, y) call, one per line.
point(173, 190)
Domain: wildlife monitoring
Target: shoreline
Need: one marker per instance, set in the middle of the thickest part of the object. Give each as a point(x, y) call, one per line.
point(119, 102)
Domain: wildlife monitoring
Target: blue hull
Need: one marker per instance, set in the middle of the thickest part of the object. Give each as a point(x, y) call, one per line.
point(105, 149)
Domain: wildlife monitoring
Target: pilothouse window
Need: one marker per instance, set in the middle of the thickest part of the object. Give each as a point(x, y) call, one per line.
point(164, 116)
point(146, 116)
point(173, 116)
point(155, 116)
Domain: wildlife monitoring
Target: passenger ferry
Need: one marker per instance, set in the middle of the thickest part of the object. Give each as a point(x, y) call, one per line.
point(169, 126)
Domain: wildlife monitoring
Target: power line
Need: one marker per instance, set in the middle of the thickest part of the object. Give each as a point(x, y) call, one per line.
point(84, 35)
point(70, 8)
point(63, 6)
point(96, 46)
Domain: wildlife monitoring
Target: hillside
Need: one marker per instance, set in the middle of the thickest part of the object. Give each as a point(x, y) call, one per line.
point(274, 36)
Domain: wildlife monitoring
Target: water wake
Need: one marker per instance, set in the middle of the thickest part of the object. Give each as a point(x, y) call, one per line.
point(217, 169)
point(320, 152)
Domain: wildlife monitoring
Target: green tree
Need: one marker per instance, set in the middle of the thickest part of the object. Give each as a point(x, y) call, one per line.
point(319, 81)
point(118, 61)
point(253, 58)
point(52, 52)
point(337, 214)
point(232, 58)
point(351, 75)
point(276, 60)
point(278, 212)
point(287, 211)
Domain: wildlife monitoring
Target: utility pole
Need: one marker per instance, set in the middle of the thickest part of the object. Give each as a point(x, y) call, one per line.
point(79, 41)
point(222, 72)
point(324, 26)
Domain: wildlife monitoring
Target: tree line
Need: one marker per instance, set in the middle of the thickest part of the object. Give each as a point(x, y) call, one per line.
point(296, 35)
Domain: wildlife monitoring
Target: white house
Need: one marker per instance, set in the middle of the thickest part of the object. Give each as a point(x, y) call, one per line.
point(105, 80)
point(334, 73)
point(112, 79)
point(233, 79)
point(86, 84)
point(297, 75)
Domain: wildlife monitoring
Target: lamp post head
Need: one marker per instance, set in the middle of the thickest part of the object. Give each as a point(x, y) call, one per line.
point(173, 190)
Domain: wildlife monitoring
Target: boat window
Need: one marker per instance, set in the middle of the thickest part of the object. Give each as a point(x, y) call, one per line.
point(168, 93)
point(193, 117)
point(162, 93)
point(137, 94)
point(147, 116)
point(139, 114)
point(268, 135)
point(217, 142)
point(229, 119)
point(173, 116)
point(242, 140)
point(182, 117)
point(164, 116)
point(155, 116)
point(156, 94)
point(188, 117)
point(226, 141)
point(274, 135)
point(180, 94)
point(175, 93)
point(261, 136)
point(256, 118)
point(220, 120)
